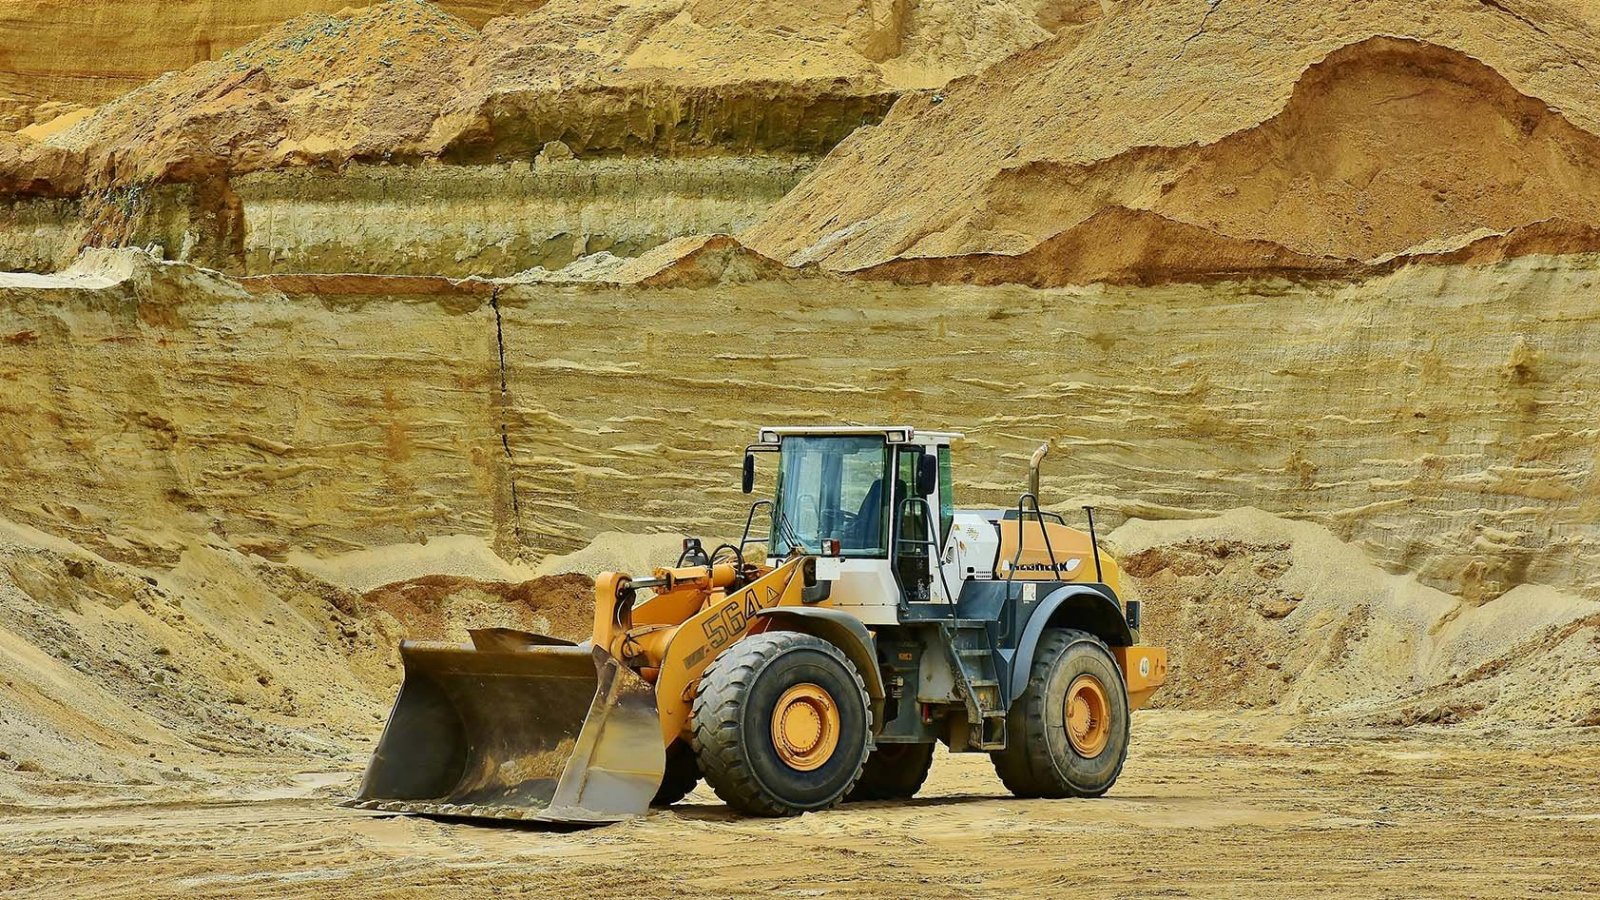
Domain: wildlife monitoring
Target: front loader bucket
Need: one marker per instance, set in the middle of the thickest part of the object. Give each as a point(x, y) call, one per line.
point(517, 729)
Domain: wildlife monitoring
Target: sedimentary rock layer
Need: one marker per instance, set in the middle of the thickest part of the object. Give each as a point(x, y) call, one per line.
point(1441, 417)
point(1183, 139)
point(453, 221)
point(497, 220)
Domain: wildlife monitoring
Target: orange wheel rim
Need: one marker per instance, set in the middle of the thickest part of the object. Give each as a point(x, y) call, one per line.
point(1088, 716)
point(805, 727)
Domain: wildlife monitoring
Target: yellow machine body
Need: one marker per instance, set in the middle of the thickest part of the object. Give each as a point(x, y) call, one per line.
point(1051, 551)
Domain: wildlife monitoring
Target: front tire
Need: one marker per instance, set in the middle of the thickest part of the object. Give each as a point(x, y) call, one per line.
point(680, 776)
point(1067, 735)
point(893, 772)
point(781, 724)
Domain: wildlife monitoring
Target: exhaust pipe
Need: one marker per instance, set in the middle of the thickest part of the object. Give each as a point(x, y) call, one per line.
point(1033, 470)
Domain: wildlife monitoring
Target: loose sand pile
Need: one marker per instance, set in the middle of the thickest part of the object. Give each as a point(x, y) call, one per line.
point(697, 261)
point(318, 89)
point(1261, 612)
point(1201, 138)
point(636, 554)
point(446, 606)
point(59, 53)
point(404, 80)
point(867, 45)
point(225, 673)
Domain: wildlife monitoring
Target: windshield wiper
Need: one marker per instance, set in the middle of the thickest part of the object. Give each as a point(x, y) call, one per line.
point(788, 535)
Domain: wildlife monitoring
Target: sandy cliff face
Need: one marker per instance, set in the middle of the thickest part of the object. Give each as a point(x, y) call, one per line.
point(406, 82)
point(405, 79)
point(1442, 418)
point(58, 53)
point(1170, 143)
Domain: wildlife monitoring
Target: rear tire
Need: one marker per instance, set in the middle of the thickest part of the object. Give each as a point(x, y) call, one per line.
point(680, 777)
point(1052, 751)
point(893, 772)
point(814, 753)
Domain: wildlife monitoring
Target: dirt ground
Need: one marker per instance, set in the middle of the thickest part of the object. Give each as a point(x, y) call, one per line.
point(1331, 729)
point(1210, 805)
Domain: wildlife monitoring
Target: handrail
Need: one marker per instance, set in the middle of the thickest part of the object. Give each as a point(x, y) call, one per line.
point(1011, 570)
point(1058, 518)
point(1094, 544)
point(749, 520)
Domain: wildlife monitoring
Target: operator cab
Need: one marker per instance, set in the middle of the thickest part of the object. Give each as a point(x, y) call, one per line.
point(874, 502)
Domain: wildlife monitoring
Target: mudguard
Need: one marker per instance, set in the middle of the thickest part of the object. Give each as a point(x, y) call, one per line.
point(845, 632)
point(1073, 606)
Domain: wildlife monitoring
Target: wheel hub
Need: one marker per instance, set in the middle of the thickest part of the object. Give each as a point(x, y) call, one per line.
point(1088, 716)
point(805, 727)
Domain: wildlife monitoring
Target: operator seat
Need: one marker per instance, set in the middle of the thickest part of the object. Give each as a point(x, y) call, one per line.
point(864, 531)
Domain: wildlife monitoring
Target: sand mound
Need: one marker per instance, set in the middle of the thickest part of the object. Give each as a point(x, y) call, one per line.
point(1220, 138)
point(404, 79)
point(114, 46)
point(1265, 612)
point(617, 552)
point(117, 675)
point(1116, 245)
point(462, 556)
point(686, 75)
point(694, 261)
point(445, 607)
point(316, 89)
point(222, 672)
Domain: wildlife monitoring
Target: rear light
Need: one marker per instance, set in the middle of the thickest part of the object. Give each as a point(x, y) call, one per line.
point(1133, 613)
point(830, 547)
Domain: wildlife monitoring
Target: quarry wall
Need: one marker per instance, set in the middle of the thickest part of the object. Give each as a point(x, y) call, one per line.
point(1443, 418)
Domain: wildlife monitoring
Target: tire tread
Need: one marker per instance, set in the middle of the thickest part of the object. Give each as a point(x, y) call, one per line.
point(1025, 766)
point(881, 780)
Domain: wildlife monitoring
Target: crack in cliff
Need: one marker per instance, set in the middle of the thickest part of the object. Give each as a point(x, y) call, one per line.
point(505, 425)
point(1571, 57)
point(1501, 7)
point(1211, 7)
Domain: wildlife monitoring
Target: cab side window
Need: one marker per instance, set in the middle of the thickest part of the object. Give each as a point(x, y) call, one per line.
point(947, 497)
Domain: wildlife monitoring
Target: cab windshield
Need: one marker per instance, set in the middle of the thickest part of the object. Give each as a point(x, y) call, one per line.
point(832, 488)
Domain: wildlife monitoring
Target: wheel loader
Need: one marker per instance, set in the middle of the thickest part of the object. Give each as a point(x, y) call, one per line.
point(816, 663)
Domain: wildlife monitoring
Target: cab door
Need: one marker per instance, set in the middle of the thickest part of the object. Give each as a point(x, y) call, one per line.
point(919, 534)
point(945, 505)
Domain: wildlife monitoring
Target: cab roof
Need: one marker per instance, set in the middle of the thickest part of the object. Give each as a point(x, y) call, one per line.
point(893, 434)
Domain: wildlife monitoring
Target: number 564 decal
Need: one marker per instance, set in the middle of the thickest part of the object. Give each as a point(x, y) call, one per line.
point(734, 615)
point(727, 622)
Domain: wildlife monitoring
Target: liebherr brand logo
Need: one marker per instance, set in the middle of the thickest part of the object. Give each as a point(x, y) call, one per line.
point(1070, 565)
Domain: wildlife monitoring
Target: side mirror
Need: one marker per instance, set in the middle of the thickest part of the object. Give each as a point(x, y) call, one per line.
point(927, 475)
point(749, 484)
